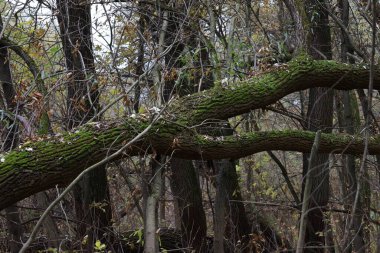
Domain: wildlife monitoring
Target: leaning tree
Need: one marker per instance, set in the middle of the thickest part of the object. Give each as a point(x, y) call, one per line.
point(56, 160)
point(188, 123)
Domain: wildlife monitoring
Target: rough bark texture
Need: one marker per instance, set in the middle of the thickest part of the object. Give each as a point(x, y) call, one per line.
point(237, 227)
point(184, 179)
point(187, 193)
point(299, 74)
point(43, 164)
point(74, 19)
point(15, 228)
point(220, 207)
point(230, 220)
point(91, 201)
point(320, 117)
point(49, 226)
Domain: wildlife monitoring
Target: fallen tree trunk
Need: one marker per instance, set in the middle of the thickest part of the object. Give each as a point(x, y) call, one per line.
point(42, 164)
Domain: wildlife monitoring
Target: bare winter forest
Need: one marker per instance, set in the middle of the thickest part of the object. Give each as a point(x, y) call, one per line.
point(189, 126)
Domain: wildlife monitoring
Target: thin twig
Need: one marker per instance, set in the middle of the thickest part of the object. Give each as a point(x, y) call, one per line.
point(286, 177)
point(8, 19)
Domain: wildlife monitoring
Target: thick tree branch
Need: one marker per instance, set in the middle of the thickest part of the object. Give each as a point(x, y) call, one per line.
point(300, 74)
point(43, 164)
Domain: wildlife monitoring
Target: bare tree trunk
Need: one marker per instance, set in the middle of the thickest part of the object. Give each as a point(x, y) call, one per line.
point(91, 195)
point(49, 225)
point(238, 227)
point(188, 196)
point(230, 219)
point(162, 209)
point(350, 124)
point(98, 207)
point(319, 115)
point(184, 181)
point(220, 208)
point(319, 179)
point(141, 26)
point(151, 216)
point(15, 229)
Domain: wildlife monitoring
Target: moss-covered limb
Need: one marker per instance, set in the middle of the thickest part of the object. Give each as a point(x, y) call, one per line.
point(301, 73)
point(206, 147)
point(42, 164)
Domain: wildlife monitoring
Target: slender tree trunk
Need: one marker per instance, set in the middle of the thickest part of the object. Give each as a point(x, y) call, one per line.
point(220, 208)
point(74, 19)
point(350, 124)
point(152, 184)
point(237, 227)
point(319, 197)
point(15, 229)
point(151, 244)
point(162, 209)
point(140, 57)
point(230, 219)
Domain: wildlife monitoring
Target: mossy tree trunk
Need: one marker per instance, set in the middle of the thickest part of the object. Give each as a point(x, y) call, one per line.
point(42, 164)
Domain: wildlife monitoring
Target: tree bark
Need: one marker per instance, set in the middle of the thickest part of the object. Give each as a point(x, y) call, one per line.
point(230, 220)
point(187, 193)
point(151, 244)
point(91, 195)
point(60, 158)
point(319, 117)
point(184, 180)
point(220, 207)
point(307, 196)
point(350, 123)
point(50, 227)
point(74, 19)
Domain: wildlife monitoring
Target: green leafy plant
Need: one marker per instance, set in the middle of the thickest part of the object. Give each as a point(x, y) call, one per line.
point(99, 246)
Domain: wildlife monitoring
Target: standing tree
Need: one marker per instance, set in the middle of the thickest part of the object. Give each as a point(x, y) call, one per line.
point(91, 195)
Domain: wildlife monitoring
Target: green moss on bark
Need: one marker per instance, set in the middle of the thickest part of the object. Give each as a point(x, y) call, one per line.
point(42, 164)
